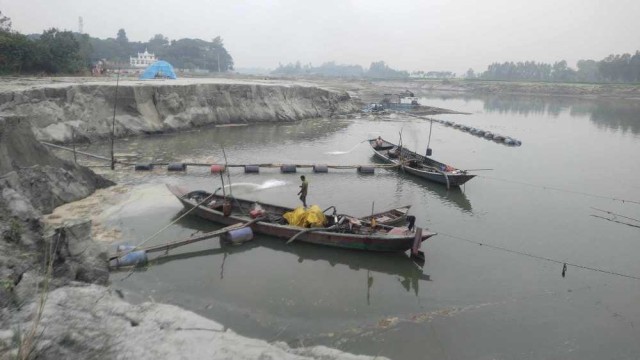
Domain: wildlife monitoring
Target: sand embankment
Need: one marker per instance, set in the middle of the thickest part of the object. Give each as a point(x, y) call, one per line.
point(60, 109)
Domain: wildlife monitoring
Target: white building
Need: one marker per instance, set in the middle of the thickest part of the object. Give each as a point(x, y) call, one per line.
point(143, 60)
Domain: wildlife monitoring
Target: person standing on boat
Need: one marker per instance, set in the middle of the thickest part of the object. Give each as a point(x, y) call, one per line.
point(303, 190)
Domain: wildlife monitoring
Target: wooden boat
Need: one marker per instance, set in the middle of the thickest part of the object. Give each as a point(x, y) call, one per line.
point(397, 216)
point(341, 231)
point(419, 165)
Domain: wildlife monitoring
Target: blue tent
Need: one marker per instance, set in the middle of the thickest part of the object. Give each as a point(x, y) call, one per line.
point(159, 70)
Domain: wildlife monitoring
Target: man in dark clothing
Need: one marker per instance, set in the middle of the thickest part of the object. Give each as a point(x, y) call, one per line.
point(303, 190)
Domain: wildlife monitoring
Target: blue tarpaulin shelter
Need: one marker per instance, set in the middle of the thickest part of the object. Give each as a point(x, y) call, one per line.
point(159, 70)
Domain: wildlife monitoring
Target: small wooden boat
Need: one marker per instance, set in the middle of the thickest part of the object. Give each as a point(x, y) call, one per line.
point(341, 231)
point(419, 165)
point(397, 216)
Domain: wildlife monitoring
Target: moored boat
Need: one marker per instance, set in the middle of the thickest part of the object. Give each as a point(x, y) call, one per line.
point(397, 216)
point(340, 231)
point(419, 165)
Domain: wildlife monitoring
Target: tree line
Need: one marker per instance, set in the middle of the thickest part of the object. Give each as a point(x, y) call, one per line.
point(66, 52)
point(377, 69)
point(624, 68)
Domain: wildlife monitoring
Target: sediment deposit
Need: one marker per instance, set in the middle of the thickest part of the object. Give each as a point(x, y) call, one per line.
point(59, 112)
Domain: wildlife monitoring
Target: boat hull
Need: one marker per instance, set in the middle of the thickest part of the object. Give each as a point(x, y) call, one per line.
point(424, 167)
point(368, 242)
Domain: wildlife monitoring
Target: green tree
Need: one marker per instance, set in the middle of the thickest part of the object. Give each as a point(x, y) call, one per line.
point(157, 44)
point(470, 74)
point(16, 53)
point(59, 52)
point(5, 23)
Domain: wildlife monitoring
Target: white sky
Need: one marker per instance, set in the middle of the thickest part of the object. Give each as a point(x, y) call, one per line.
point(409, 35)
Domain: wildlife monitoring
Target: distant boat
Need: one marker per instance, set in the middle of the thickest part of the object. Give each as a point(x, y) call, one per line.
point(419, 165)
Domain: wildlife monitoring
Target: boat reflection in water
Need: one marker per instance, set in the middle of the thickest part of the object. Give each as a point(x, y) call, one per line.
point(407, 272)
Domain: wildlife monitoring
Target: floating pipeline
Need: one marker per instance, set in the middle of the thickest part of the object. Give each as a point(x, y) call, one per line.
point(506, 140)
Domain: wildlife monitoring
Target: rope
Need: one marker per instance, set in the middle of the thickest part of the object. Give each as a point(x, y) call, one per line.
point(169, 224)
point(541, 257)
point(561, 190)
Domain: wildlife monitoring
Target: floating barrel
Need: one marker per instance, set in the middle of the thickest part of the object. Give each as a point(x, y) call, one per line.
point(177, 167)
point(288, 168)
point(238, 236)
point(498, 137)
point(480, 132)
point(429, 151)
point(488, 135)
point(366, 169)
point(133, 258)
point(251, 169)
point(216, 169)
point(321, 168)
point(144, 167)
point(509, 141)
point(517, 142)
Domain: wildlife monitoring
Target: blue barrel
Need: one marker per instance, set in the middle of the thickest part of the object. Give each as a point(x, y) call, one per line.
point(251, 169)
point(177, 167)
point(320, 168)
point(488, 135)
point(480, 132)
point(134, 258)
point(144, 167)
point(366, 169)
point(509, 141)
point(238, 236)
point(287, 168)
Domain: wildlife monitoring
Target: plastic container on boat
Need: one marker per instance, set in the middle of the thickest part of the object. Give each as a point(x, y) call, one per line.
point(256, 213)
point(143, 167)
point(238, 236)
point(177, 166)
point(288, 168)
point(124, 248)
point(320, 168)
point(251, 169)
point(366, 169)
point(217, 169)
point(133, 258)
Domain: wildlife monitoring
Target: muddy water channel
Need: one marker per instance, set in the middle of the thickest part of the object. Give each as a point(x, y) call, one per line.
point(504, 299)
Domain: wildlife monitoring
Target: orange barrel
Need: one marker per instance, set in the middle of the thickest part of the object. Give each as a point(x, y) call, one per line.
point(320, 168)
point(254, 169)
point(216, 169)
point(288, 168)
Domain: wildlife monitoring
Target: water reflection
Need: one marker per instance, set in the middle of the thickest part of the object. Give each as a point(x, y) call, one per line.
point(406, 272)
point(612, 114)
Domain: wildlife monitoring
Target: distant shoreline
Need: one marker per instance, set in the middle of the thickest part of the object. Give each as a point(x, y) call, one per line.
point(485, 87)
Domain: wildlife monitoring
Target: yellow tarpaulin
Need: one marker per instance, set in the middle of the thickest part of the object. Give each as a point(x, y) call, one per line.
point(311, 217)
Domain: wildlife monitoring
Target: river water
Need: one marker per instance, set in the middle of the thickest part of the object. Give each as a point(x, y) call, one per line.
point(504, 299)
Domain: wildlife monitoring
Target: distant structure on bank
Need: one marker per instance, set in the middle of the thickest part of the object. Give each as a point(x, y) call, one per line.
point(159, 70)
point(143, 60)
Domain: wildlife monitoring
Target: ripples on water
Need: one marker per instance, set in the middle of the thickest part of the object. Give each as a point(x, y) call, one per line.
point(267, 289)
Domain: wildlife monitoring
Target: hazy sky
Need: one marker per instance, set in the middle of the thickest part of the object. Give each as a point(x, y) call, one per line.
point(410, 35)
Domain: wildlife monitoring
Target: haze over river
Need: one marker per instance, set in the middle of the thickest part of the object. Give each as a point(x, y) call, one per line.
point(469, 301)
